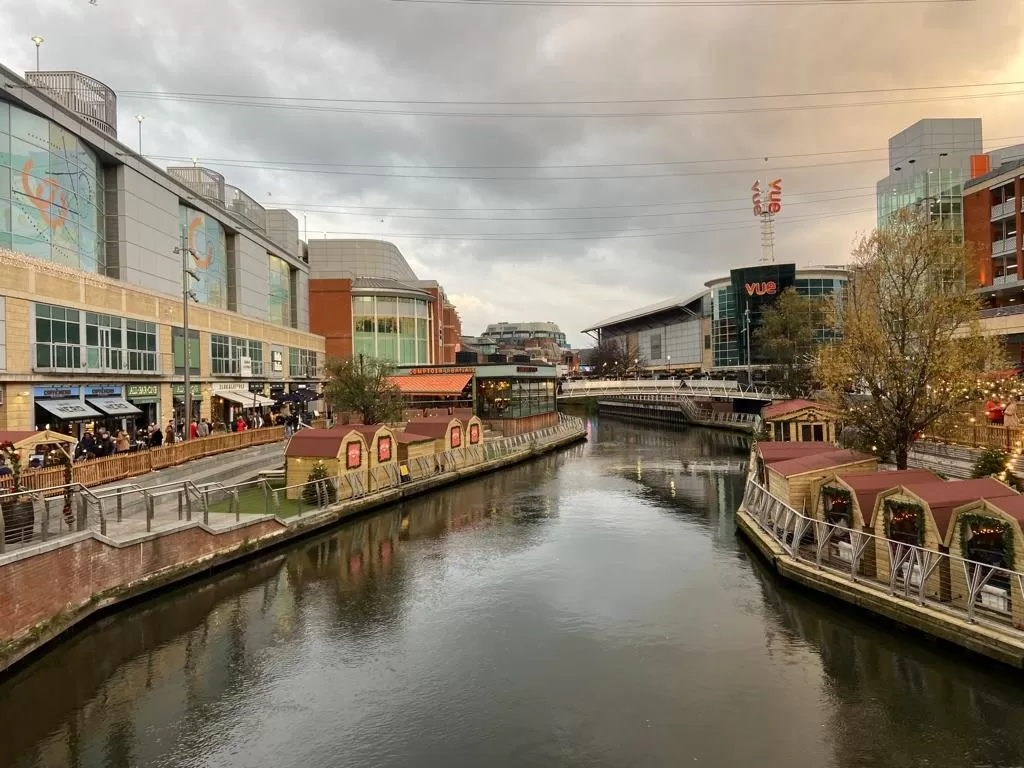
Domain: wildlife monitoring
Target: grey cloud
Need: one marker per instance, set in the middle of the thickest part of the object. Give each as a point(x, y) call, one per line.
point(371, 49)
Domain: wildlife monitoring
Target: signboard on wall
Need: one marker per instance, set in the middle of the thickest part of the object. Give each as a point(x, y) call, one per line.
point(353, 455)
point(276, 361)
point(456, 437)
point(139, 391)
point(56, 392)
point(103, 390)
point(384, 450)
point(757, 288)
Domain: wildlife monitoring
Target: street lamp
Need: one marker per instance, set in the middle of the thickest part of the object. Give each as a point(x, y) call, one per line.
point(668, 364)
point(140, 118)
point(636, 365)
point(746, 330)
point(38, 41)
point(187, 294)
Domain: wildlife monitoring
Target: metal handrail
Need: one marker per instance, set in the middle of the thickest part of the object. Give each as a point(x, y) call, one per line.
point(906, 562)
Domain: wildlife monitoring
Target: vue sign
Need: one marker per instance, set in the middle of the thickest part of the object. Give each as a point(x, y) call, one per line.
point(761, 289)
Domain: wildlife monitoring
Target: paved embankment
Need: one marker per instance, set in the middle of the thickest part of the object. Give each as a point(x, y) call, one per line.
point(49, 587)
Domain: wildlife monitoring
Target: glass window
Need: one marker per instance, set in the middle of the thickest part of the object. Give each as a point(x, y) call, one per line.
point(104, 343)
point(256, 356)
point(279, 292)
point(58, 338)
point(220, 354)
point(3, 333)
point(178, 351)
point(141, 343)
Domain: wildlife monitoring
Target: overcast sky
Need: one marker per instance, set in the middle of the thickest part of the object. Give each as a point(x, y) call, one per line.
point(573, 261)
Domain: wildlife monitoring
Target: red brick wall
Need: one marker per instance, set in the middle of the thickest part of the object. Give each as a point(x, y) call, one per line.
point(330, 315)
point(37, 588)
point(978, 233)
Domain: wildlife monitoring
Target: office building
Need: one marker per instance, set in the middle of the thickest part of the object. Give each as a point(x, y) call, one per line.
point(93, 239)
point(366, 300)
point(928, 164)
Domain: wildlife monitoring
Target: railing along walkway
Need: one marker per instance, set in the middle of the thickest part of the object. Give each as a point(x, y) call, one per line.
point(690, 388)
point(971, 591)
point(127, 510)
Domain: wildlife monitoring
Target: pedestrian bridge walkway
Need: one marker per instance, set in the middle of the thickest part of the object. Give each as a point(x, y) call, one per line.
point(668, 389)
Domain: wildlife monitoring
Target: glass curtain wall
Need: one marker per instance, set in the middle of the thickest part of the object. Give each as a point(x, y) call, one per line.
point(279, 292)
point(725, 327)
point(391, 328)
point(514, 398)
point(938, 191)
point(51, 192)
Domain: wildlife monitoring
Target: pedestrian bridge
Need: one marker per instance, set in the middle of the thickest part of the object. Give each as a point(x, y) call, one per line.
point(668, 389)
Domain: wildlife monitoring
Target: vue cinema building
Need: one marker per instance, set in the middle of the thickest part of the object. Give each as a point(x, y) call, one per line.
point(92, 286)
point(707, 331)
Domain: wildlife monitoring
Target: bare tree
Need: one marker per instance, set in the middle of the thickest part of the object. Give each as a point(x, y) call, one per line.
point(912, 344)
point(363, 385)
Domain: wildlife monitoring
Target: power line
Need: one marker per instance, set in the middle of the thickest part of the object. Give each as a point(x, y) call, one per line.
point(584, 235)
point(614, 206)
point(705, 212)
point(562, 166)
point(682, 3)
point(575, 115)
point(174, 95)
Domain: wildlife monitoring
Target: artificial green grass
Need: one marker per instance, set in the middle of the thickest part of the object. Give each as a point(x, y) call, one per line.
point(251, 501)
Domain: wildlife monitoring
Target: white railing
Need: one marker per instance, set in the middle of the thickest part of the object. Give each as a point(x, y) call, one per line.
point(1007, 245)
point(975, 592)
point(1004, 209)
point(692, 388)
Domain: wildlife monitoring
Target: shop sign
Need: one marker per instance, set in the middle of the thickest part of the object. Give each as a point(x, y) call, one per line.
point(258, 388)
point(526, 369)
point(103, 390)
point(474, 434)
point(456, 437)
point(178, 390)
point(276, 389)
point(429, 371)
point(383, 449)
point(245, 366)
point(139, 391)
point(57, 392)
point(276, 360)
point(767, 288)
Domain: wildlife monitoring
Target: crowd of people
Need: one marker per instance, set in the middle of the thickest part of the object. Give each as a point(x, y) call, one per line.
point(106, 443)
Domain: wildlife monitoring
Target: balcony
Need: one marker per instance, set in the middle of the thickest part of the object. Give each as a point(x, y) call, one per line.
point(1004, 246)
point(1002, 210)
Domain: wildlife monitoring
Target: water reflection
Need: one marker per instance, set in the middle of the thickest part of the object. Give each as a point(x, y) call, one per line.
point(590, 608)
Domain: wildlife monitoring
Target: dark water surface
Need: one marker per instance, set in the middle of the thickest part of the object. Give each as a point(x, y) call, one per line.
point(592, 608)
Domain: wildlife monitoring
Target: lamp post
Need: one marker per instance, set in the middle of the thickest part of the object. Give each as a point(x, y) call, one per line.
point(140, 118)
point(38, 41)
point(636, 366)
point(746, 330)
point(668, 364)
point(187, 294)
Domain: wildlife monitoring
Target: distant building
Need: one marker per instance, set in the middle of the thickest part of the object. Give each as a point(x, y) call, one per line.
point(364, 298)
point(707, 331)
point(517, 334)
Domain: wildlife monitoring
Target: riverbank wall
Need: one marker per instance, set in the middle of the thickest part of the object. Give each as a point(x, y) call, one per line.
point(49, 588)
point(679, 411)
point(764, 521)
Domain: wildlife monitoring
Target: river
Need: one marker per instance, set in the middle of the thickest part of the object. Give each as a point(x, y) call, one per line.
point(591, 608)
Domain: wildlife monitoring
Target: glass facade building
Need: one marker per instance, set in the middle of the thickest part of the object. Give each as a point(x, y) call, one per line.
point(51, 192)
point(939, 191)
point(393, 328)
point(279, 291)
point(514, 398)
point(729, 302)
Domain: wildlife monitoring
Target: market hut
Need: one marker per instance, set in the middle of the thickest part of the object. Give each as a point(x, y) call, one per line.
point(411, 448)
point(794, 480)
point(848, 502)
point(919, 514)
point(341, 451)
point(988, 532)
point(445, 430)
point(765, 454)
point(382, 456)
point(801, 421)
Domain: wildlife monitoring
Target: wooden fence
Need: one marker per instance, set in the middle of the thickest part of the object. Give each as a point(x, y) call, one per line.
point(111, 469)
point(980, 436)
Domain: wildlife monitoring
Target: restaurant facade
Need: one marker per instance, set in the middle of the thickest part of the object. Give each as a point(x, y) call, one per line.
point(512, 398)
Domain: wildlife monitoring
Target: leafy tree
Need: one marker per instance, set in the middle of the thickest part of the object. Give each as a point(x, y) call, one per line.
point(786, 340)
point(912, 343)
point(363, 386)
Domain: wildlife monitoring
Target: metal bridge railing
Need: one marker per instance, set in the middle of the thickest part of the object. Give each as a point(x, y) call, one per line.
point(965, 589)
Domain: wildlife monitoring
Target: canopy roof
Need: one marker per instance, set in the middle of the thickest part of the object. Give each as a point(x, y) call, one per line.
point(774, 452)
point(867, 486)
point(943, 496)
point(28, 438)
point(813, 462)
point(321, 443)
point(433, 383)
point(434, 428)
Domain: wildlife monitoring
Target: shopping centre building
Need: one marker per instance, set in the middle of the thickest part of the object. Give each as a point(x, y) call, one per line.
point(707, 331)
point(366, 300)
point(98, 249)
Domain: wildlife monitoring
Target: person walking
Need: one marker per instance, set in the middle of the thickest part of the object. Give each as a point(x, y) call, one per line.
point(169, 436)
point(204, 428)
point(193, 430)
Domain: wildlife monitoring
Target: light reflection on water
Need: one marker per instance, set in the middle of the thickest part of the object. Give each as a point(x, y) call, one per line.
point(591, 608)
